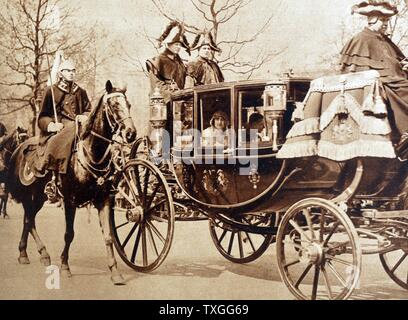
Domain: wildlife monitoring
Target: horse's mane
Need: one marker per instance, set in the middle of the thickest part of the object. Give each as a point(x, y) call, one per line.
point(91, 119)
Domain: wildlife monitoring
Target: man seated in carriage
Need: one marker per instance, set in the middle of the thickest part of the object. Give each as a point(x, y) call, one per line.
point(372, 49)
point(71, 104)
point(254, 127)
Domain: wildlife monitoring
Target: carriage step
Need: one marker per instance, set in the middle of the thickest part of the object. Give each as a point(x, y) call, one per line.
point(375, 214)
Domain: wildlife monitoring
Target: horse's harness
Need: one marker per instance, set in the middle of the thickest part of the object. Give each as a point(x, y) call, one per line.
point(115, 124)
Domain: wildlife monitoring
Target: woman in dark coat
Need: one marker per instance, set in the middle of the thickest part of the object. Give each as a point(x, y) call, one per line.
point(372, 49)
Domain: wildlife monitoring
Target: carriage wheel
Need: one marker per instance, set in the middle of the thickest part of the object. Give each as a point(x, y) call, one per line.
point(141, 149)
point(236, 245)
point(395, 261)
point(143, 219)
point(319, 256)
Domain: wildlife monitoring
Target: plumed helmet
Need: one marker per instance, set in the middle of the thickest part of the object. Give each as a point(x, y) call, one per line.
point(219, 114)
point(204, 38)
point(67, 65)
point(375, 8)
point(173, 33)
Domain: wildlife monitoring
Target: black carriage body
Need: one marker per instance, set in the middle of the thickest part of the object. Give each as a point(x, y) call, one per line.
point(243, 177)
point(239, 175)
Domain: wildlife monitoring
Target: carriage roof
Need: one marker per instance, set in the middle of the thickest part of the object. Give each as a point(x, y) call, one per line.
point(236, 84)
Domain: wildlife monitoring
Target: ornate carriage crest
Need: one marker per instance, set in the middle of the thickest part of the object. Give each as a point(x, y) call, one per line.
point(215, 181)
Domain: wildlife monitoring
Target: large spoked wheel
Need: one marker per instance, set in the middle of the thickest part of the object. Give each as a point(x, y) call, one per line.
point(395, 260)
point(236, 245)
point(143, 218)
point(141, 149)
point(319, 256)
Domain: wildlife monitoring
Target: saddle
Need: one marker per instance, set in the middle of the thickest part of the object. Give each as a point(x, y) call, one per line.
point(342, 117)
point(44, 154)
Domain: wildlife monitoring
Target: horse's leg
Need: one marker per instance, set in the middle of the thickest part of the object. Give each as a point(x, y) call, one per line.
point(69, 237)
point(22, 247)
point(1, 204)
point(31, 209)
point(4, 203)
point(104, 212)
point(45, 257)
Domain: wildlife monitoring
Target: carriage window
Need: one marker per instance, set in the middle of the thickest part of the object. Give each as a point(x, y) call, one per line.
point(252, 119)
point(214, 119)
point(183, 124)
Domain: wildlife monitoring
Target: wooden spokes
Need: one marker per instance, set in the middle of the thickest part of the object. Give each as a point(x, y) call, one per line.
point(143, 219)
point(395, 260)
point(236, 245)
point(318, 253)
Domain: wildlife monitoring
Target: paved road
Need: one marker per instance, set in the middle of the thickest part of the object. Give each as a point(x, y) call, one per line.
point(193, 269)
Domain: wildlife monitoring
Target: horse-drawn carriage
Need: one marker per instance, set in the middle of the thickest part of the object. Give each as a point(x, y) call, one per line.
point(326, 188)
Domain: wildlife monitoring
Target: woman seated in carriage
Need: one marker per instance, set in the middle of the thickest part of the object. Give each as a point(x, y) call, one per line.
point(218, 134)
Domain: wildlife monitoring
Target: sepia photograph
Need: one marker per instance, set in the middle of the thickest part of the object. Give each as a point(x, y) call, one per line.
point(203, 150)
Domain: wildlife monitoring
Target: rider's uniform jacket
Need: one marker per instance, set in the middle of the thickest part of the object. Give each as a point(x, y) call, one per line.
point(70, 101)
point(167, 72)
point(204, 71)
point(370, 50)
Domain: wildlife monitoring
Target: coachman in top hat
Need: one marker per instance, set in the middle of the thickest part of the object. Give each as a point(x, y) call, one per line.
point(203, 69)
point(167, 71)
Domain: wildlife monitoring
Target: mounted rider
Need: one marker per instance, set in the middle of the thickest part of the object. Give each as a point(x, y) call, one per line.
point(64, 103)
point(372, 49)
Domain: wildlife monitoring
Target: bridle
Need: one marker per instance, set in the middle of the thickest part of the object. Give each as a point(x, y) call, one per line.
point(116, 124)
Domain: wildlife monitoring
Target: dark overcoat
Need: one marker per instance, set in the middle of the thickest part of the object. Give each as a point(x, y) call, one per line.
point(166, 72)
point(54, 150)
point(204, 71)
point(370, 50)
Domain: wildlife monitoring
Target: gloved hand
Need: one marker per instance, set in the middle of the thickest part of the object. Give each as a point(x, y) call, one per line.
point(81, 118)
point(55, 127)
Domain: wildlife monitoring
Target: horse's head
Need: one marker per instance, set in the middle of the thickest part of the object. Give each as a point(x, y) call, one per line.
point(118, 111)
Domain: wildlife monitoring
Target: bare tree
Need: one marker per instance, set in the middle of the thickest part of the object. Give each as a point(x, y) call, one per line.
point(217, 15)
point(399, 25)
point(32, 33)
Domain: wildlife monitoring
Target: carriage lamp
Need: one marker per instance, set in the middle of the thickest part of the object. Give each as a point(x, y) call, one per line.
point(274, 108)
point(158, 118)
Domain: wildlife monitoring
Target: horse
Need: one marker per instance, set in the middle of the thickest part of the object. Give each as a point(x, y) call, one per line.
point(86, 180)
point(12, 141)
